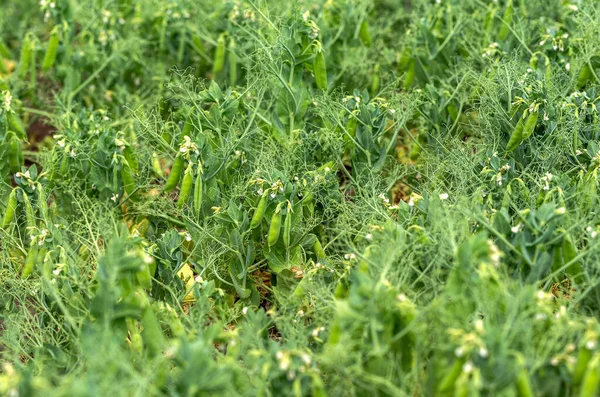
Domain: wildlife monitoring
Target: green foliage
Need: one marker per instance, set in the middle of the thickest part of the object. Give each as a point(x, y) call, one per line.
point(342, 197)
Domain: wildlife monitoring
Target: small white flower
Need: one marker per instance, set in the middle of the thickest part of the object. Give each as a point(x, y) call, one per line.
point(245, 310)
point(517, 228)
point(114, 197)
point(444, 196)
point(459, 351)
point(483, 352)
point(369, 236)
point(188, 237)
point(199, 279)
point(468, 367)
point(590, 345)
point(560, 211)
point(568, 66)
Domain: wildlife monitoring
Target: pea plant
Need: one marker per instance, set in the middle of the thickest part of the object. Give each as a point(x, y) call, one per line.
point(317, 198)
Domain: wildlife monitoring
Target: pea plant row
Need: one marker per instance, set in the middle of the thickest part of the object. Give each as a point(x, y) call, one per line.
point(308, 198)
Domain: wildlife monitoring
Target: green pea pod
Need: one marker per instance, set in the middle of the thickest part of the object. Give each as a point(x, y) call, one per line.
point(375, 81)
point(232, 63)
point(186, 186)
point(175, 175)
point(131, 158)
point(259, 213)
point(128, 182)
point(287, 227)
point(410, 75)
point(275, 227)
point(151, 333)
point(219, 59)
point(16, 124)
point(585, 74)
point(25, 58)
point(517, 136)
point(144, 277)
point(42, 203)
point(404, 61)
point(320, 70)
point(198, 186)
point(583, 358)
point(462, 385)
point(64, 163)
point(28, 211)
point(156, 167)
point(181, 48)
point(364, 34)
point(448, 382)
point(14, 162)
point(32, 257)
point(50, 56)
point(589, 387)
point(530, 124)
point(523, 384)
point(10, 209)
point(507, 19)
point(318, 249)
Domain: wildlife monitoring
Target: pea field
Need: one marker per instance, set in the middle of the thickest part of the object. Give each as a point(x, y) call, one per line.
point(299, 198)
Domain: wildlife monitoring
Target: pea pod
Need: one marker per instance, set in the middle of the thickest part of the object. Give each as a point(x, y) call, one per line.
point(28, 211)
point(507, 19)
point(320, 70)
point(32, 257)
point(50, 56)
point(364, 34)
point(16, 124)
point(42, 203)
point(522, 383)
point(198, 190)
point(131, 158)
point(318, 249)
point(410, 75)
point(259, 213)
point(375, 81)
point(219, 59)
point(583, 358)
point(181, 48)
point(175, 175)
point(10, 209)
point(232, 63)
point(275, 227)
point(156, 167)
point(517, 136)
point(591, 380)
point(287, 227)
point(128, 182)
point(186, 186)
point(447, 383)
point(25, 58)
point(530, 124)
point(144, 277)
point(585, 74)
point(14, 162)
point(152, 333)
